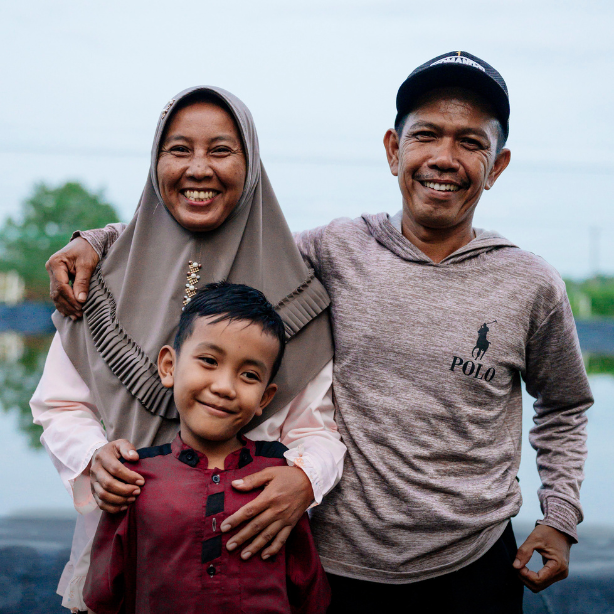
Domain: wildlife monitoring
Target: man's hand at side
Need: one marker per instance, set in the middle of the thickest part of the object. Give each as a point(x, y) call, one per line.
point(287, 495)
point(554, 547)
point(113, 485)
point(76, 261)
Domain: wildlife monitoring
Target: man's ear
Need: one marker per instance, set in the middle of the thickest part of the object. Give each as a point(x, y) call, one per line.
point(267, 397)
point(391, 143)
point(166, 365)
point(501, 162)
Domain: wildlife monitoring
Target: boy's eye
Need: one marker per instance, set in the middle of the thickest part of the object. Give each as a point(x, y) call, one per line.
point(252, 376)
point(208, 360)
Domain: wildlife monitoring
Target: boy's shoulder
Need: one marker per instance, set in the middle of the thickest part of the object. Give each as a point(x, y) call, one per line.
point(270, 449)
point(263, 449)
point(153, 461)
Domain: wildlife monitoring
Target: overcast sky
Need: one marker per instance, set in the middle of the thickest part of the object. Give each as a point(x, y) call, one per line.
point(84, 83)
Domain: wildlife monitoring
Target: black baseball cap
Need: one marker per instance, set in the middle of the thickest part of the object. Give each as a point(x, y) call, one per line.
point(456, 69)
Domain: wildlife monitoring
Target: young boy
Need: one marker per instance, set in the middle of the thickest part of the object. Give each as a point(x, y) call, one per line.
point(166, 553)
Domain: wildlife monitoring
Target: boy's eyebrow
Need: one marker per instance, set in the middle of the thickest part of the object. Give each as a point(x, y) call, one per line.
point(203, 345)
point(256, 363)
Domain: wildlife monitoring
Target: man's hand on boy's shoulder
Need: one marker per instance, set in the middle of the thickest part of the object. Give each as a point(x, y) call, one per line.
point(273, 514)
point(113, 485)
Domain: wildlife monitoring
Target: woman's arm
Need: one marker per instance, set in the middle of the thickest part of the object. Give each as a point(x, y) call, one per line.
point(74, 437)
point(77, 261)
point(307, 427)
point(310, 432)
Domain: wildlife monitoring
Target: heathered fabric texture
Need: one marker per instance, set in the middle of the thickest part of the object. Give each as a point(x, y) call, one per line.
point(429, 400)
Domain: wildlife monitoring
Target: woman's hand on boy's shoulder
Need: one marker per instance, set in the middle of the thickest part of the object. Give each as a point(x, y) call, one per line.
point(113, 485)
point(273, 513)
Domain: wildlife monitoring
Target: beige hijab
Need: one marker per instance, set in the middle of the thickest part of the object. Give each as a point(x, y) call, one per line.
point(136, 295)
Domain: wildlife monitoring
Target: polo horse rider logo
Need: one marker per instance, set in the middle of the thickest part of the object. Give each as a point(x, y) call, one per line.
point(482, 344)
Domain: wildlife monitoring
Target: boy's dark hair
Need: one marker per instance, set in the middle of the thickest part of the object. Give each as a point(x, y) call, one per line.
point(232, 302)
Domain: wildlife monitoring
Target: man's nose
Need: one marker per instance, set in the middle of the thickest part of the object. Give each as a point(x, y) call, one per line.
point(443, 157)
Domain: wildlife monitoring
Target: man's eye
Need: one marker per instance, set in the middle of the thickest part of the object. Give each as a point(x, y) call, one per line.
point(424, 135)
point(472, 144)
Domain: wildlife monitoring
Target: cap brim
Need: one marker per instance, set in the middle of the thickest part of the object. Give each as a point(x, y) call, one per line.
point(454, 75)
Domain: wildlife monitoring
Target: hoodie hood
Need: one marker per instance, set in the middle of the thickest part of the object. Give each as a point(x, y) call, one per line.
point(386, 230)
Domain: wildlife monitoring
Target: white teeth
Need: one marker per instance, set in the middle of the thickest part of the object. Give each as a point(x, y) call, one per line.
point(199, 195)
point(442, 187)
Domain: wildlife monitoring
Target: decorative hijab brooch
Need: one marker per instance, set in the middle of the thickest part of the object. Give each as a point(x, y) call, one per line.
point(192, 279)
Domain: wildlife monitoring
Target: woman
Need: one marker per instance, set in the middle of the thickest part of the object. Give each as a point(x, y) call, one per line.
point(207, 213)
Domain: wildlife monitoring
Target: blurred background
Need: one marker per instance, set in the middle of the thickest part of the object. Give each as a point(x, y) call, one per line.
point(83, 88)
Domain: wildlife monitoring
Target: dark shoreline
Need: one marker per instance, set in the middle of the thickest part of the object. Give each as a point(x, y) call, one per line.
point(34, 550)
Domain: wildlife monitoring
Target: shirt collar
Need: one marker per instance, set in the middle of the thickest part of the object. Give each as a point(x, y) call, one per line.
point(235, 460)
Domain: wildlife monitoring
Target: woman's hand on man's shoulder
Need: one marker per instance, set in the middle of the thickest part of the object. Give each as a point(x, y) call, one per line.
point(76, 261)
point(113, 485)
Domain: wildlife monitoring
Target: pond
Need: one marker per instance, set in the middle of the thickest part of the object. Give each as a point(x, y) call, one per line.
point(30, 485)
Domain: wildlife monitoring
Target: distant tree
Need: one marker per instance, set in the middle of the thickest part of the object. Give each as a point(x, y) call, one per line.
point(46, 223)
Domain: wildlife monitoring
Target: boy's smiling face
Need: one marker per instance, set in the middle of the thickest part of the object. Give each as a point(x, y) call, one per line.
point(220, 378)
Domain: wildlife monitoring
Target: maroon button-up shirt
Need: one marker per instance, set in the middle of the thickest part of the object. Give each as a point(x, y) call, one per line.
point(166, 553)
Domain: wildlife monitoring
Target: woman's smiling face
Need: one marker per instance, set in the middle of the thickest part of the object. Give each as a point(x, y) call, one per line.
point(201, 166)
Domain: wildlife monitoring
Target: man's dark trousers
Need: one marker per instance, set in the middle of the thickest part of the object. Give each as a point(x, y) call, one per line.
point(490, 585)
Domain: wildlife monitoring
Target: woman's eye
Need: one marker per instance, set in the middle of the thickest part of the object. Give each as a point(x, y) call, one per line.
point(179, 149)
point(221, 151)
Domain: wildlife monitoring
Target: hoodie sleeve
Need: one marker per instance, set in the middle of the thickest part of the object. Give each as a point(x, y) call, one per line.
point(101, 239)
point(310, 245)
point(555, 376)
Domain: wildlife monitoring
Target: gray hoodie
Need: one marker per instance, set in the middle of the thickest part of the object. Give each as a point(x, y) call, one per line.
point(427, 387)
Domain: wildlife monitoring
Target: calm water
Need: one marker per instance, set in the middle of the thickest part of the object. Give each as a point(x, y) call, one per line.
point(29, 483)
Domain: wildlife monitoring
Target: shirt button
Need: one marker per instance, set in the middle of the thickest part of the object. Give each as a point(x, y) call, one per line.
point(211, 570)
point(216, 479)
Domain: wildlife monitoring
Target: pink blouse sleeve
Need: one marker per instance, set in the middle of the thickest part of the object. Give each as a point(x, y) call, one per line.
point(307, 427)
point(62, 404)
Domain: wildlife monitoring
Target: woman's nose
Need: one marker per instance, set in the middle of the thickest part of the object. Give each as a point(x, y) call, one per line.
point(199, 167)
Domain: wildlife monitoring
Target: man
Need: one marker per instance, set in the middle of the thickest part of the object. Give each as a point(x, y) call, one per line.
point(431, 416)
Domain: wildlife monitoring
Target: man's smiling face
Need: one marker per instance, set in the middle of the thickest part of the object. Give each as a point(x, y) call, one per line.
point(445, 156)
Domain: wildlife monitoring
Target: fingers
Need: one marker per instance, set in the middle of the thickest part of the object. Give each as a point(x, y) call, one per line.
point(60, 290)
point(248, 511)
point(278, 542)
point(265, 526)
point(113, 485)
point(255, 480)
point(524, 554)
point(554, 548)
point(78, 259)
point(255, 507)
point(109, 484)
point(110, 502)
point(550, 573)
point(108, 457)
point(81, 285)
